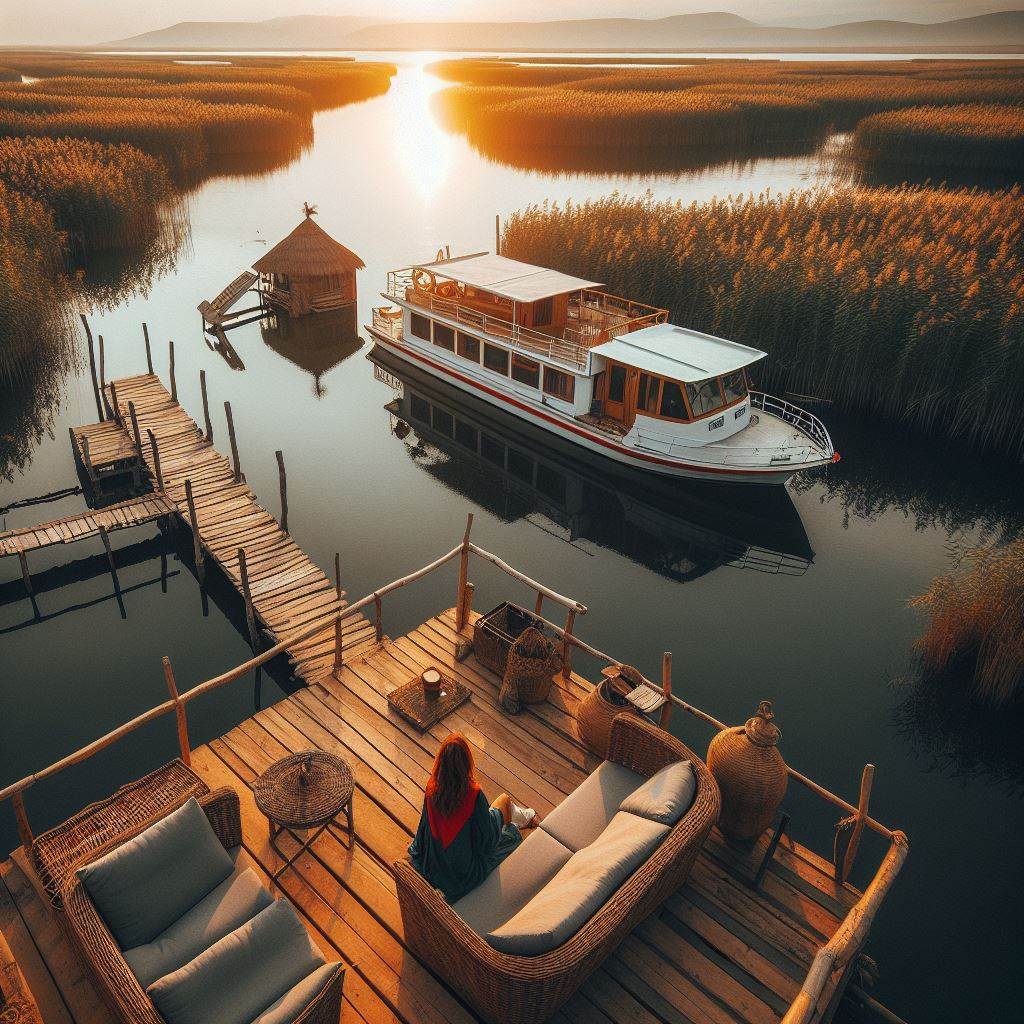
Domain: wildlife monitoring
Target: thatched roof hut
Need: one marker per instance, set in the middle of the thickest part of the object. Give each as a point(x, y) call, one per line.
point(308, 271)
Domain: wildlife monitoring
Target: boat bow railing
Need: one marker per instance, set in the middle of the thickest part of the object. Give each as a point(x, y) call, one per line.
point(803, 420)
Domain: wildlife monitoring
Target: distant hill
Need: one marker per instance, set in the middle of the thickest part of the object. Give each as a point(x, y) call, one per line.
point(711, 31)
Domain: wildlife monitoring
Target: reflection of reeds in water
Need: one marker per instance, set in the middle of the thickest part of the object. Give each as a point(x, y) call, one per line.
point(975, 627)
point(903, 302)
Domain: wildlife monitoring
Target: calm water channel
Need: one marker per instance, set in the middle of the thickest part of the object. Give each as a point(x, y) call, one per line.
point(798, 596)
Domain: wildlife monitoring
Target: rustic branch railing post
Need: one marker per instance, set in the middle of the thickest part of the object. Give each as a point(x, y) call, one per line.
point(179, 713)
point(470, 591)
point(338, 637)
point(378, 621)
point(197, 546)
point(538, 604)
point(460, 597)
point(25, 574)
point(92, 369)
point(135, 430)
point(283, 482)
point(115, 409)
point(234, 443)
point(149, 350)
point(206, 406)
point(866, 779)
point(24, 828)
point(666, 688)
point(156, 459)
point(570, 618)
point(170, 364)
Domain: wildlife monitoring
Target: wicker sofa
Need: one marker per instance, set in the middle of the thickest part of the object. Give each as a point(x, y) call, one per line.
point(512, 989)
point(103, 957)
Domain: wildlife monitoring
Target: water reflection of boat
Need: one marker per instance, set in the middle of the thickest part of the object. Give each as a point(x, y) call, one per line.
point(678, 529)
point(315, 344)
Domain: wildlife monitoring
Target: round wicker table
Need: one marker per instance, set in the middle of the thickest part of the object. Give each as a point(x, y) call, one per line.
point(304, 792)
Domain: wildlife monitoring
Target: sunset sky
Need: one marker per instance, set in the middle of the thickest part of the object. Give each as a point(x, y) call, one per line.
point(90, 21)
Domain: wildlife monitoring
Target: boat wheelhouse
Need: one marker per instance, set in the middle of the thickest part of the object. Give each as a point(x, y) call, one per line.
point(606, 372)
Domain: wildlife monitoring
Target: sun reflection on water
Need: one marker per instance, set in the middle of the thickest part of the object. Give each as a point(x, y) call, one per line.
point(422, 147)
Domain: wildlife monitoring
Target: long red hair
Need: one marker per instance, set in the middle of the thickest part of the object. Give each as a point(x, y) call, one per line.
point(453, 774)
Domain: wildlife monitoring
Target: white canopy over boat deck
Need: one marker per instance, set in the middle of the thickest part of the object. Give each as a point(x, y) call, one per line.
point(678, 353)
point(511, 279)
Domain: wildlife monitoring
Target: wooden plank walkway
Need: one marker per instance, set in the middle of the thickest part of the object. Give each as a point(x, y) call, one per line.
point(717, 952)
point(88, 523)
point(289, 591)
point(103, 447)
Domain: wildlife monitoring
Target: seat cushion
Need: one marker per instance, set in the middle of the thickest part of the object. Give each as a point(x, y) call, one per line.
point(666, 796)
point(285, 1009)
point(576, 893)
point(237, 899)
point(241, 975)
point(584, 814)
point(144, 885)
point(510, 886)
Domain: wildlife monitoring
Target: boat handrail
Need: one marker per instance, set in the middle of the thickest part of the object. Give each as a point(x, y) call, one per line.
point(796, 416)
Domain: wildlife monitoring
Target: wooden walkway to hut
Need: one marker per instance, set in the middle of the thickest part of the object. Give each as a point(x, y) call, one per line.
point(719, 951)
point(288, 591)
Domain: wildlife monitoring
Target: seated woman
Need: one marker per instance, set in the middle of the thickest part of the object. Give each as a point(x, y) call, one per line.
point(460, 839)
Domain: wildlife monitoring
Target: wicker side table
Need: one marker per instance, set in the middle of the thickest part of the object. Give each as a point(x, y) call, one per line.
point(304, 792)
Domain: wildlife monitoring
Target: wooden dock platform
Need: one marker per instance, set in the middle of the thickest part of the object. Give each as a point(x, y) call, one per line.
point(288, 591)
point(719, 951)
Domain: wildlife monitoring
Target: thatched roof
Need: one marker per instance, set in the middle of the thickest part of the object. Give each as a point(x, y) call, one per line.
point(308, 252)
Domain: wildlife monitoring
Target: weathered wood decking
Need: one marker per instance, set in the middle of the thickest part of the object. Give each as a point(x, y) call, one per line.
point(718, 951)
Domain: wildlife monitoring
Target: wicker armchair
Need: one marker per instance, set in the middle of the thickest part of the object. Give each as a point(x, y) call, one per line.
point(508, 989)
point(102, 956)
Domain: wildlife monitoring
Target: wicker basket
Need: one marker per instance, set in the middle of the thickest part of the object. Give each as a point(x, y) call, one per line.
point(595, 714)
point(495, 632)
point(531, 663)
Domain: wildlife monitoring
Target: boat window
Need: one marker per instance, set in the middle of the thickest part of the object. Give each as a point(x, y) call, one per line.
point(735, 386)
point(705, 396)
point(420, 408)
point(520, 465)
point(468, 347)
point(444, 422)
point(492, 451)
point(496, 359)
point(672, 404)
point(648, 393)
point(616, 383)
point(466, 435)
point(526, 371)
point(420, 326)
point(444, 336)
point(560, 385)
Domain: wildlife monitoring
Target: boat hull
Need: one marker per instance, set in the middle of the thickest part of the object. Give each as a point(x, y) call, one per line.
point(572, 430)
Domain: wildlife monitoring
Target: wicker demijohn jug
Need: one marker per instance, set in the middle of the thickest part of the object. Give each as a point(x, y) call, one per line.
point(750, 773)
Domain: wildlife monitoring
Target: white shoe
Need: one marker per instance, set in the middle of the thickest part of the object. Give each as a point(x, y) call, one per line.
point(522, 816)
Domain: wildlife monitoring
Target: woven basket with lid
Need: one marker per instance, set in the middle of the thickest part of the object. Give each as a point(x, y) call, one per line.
point(597, 710)
point(750, 773)
point(532, 661)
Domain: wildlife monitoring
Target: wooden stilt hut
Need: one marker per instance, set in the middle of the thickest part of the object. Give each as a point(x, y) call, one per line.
point(308, 272)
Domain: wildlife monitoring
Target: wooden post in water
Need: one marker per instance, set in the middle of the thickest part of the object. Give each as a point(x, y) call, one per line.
point(149, 351)
point(135, 430)
point(206, 406)
point(103, 366)
point(179, 713)
point(283, 481)
point(234, 443)
point(570, 618)
point(115, 409)
point(497, 234)
point(87, 459)
point(24, 829)
point(156, 460)
point(666, 688)
point(110, 553)
point(197, 546)
point(866, 779)
point(338, 638)
point(25, 575)
point(460, 597)
point(250, 614)
point(92, 369)
point(170, 361)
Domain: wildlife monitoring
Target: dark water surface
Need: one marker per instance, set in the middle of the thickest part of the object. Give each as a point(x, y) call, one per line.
point(798, 596)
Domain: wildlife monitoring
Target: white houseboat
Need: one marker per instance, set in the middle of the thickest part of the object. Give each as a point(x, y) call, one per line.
point(605, 372)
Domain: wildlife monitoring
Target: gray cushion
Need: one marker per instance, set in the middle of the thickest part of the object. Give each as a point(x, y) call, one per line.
point(144, 885)
point(236, 900)
point(242, 975)
point(666, 796)
point(575, 894)
point(513, 882)
point(297, 998)
point(584, 814)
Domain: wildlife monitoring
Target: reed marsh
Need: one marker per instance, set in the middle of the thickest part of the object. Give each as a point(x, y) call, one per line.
point(905, 303)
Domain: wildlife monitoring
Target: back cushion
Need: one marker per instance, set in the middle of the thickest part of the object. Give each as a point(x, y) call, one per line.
point(147, 883)
point(666, 796)
point(571, 898)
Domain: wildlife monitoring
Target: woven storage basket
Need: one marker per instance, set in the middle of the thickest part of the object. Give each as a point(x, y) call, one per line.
point(531, 663)
point(495, 632)
point(750, 773)
point(596, 712)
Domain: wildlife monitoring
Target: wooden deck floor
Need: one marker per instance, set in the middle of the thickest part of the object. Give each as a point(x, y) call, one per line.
point(718, 952)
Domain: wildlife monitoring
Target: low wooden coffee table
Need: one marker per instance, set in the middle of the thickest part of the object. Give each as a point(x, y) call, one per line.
point(304, 792)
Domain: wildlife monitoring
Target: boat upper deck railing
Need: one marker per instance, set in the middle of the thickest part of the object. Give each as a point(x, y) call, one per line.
point(830, 959)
